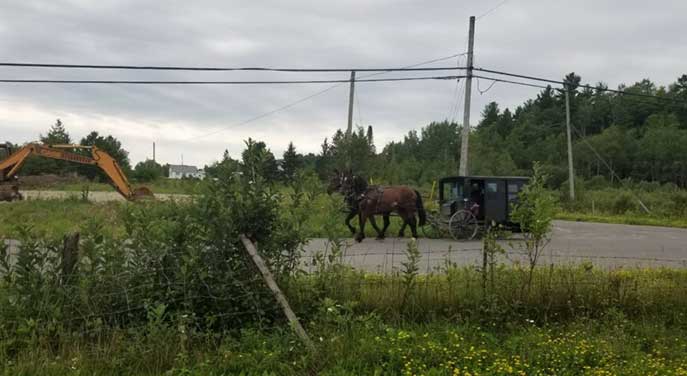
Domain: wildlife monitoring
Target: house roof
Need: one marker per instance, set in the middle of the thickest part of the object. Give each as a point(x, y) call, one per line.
point(183, 169)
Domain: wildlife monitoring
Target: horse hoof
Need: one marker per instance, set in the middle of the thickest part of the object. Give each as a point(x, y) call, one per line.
point(380, 237)
point(359, 238)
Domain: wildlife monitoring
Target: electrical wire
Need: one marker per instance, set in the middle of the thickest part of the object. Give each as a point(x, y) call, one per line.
point(146, 82)
point(304, 99)
point(481, 92)
point(220, 69)
point(533, 78)
point(491, 10)
point(510, 81)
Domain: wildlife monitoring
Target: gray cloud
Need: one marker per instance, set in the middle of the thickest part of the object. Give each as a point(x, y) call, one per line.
point(612, 41)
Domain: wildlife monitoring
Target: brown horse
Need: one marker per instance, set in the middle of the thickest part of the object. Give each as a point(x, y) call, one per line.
point(383, 200)
point(400, 199)
point(348, 184)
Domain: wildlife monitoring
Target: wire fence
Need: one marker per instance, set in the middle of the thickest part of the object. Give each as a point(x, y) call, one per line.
point(435, 254)
point(441, 279)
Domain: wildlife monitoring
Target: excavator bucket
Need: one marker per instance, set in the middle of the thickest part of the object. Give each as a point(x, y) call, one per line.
point(10, 193)
point(142, 193)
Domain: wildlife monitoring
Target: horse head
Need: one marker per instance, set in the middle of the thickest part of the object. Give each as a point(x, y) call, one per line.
point(336, 182)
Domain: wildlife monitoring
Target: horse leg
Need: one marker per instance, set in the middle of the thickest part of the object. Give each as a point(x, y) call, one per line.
point(385, 216)
point(380, 235)
point(401, 232)
point(412, 222)
point(361, 234)
point(350, 216)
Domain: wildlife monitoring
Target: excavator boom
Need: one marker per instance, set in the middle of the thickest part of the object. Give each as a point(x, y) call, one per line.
point(11, 165)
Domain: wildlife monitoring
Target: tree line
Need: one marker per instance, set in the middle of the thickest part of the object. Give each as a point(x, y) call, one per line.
point(615, 136)
point(58, 135)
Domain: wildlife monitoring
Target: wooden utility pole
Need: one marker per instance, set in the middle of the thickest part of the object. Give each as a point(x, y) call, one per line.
point(351, 95)
point(278, 295)
point(571, 171)
point(464, 144)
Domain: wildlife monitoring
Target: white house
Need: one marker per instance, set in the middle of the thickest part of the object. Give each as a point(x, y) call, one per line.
point(183, 171)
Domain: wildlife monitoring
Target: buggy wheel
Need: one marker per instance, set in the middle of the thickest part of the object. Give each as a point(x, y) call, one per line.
point(463, 225)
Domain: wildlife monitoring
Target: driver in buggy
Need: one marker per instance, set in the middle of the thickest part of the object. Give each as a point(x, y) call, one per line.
point(475, 199)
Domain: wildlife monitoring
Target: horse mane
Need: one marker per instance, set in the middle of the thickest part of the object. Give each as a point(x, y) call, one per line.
point(359, 184)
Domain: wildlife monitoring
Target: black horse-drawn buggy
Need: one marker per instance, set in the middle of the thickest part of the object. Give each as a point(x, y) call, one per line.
point(468, 204)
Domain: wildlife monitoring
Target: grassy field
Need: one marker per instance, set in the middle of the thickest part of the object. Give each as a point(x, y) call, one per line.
point(325, 217)
point(572, 321)
point(57, 217)
point(366, 346)
point(626, 219)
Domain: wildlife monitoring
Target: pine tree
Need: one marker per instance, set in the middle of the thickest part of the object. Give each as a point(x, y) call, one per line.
point(57, 135)
point(291, 162)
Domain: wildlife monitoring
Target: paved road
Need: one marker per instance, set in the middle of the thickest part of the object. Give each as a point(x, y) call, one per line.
point(605, 245)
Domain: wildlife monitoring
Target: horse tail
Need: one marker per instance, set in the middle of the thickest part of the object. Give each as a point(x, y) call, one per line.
point(420, 209)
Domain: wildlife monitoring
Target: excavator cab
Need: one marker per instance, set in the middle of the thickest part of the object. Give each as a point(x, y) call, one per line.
point(9, 189)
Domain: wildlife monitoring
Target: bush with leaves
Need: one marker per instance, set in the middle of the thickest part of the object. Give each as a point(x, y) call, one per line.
point(182, 263)
point(534, 213)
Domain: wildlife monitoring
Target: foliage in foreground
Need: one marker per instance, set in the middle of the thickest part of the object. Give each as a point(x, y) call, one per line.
point(363, 345)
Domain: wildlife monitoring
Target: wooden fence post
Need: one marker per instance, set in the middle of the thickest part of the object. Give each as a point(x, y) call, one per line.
point(278, 295)
point(70, 254)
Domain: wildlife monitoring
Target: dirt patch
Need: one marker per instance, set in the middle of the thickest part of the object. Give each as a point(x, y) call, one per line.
point(94, 196)
point(49, 181)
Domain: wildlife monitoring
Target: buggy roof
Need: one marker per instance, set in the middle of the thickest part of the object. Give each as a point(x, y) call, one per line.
point(484, 177)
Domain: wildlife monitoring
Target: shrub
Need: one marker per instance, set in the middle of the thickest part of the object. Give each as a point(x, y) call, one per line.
point(623, 203)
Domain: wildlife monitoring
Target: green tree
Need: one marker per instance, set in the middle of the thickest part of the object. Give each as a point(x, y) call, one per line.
point(226, 166)
point(258, 160)
point(534, 212)
point(57, 134)
point(291, 162)
point(148, 170)
point(110, 145)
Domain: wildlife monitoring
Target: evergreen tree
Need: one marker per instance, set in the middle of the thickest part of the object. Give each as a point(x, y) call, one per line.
point(56, 135)
point(291, 162)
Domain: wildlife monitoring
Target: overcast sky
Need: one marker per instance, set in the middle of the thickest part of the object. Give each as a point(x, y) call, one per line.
point(615, 42)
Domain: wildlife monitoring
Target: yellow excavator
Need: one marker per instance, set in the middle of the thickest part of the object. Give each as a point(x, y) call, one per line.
point(11, 165)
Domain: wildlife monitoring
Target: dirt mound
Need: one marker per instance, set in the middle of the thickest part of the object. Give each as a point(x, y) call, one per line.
point(48, 181)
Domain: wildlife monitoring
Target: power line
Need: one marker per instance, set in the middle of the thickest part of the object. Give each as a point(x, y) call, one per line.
point(492, 9)
point(220, 69)
point(304, 99)
point(511, 82)
point(533, 78)
point(481, 92)
point(146, 82)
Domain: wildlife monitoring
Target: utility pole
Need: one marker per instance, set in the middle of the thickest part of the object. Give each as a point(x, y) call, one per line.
point(463, 169)
point(153, 151)
point(350, 105)
point(571, 172)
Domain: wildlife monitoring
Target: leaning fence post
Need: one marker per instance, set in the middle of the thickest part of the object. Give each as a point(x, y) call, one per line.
point(70, 254)
point(281, 299)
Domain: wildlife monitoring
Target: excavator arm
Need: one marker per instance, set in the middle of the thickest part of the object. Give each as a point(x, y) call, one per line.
point(11, 165)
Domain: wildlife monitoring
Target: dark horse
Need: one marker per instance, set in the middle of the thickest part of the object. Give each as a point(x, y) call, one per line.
point(372, 200)
point(348, 184)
